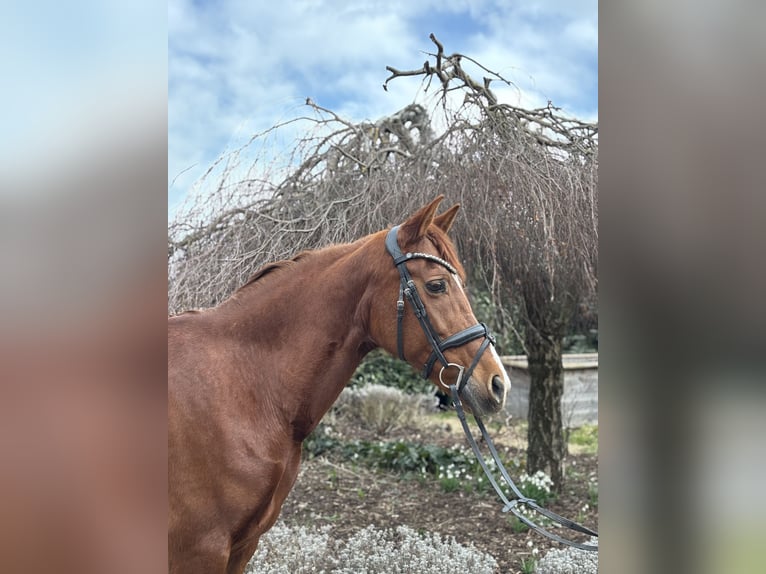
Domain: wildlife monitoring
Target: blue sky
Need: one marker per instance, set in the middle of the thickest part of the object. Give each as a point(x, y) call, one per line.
point(238, 67)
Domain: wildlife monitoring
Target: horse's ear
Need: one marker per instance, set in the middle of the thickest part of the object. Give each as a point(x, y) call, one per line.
point(416, 226)
point(446, 219)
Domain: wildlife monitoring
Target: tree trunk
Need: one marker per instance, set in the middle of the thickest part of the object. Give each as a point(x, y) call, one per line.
point(546, 445)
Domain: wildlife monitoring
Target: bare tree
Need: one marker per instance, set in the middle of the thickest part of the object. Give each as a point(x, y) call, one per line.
point(341, 181)
point(527, 180)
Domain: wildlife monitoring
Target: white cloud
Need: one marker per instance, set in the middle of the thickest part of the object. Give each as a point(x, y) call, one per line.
point(236, 68)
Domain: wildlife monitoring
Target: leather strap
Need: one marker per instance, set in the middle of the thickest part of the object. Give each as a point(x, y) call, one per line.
point(457, 340)
point(513, 505)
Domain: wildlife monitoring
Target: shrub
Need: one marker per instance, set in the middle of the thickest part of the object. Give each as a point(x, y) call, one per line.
point(454, 467)
point(286, 550)
point(569, 561)
point(380, 408)
point(319, 442)
point(538, 487)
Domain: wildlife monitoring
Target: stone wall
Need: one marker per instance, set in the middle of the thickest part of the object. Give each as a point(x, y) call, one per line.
point(580, 401)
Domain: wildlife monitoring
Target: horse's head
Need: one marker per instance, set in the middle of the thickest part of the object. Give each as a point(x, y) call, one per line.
point(424, 315)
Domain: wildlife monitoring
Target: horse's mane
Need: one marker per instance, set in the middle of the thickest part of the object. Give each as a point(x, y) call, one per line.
point(444, 247)
point(275, 266)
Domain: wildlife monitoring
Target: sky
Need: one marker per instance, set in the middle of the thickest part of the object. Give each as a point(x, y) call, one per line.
point(238, 67)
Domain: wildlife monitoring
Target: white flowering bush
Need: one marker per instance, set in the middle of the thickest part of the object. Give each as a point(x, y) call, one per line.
point(453, 476)
point(284, 550)
point(298, 550)
point(464, 471)
point(569, 561)
point(381, 408)
point(537, 486)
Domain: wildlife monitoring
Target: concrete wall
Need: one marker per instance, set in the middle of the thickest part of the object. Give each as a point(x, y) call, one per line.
point(580, 401)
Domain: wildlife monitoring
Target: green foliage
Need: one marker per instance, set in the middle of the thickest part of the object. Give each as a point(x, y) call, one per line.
point(406, 458)
point(454, 467)
point(517, 525)
point(585, 436)
point(319, 442)
point(528, 565)
point(380, 368)
point(537, 487)
point(450, 484)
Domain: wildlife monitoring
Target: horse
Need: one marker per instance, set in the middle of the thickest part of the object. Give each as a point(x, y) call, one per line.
point(249, 379)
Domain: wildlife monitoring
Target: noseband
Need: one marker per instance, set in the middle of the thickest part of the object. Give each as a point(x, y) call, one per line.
point(408, 289)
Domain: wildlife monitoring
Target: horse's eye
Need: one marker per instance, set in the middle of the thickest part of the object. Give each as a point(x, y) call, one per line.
point(439, 286)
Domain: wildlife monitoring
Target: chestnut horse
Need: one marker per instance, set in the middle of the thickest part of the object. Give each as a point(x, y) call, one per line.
point(249, 379)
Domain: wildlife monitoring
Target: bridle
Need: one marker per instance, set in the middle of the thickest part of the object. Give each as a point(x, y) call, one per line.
point(408, 291)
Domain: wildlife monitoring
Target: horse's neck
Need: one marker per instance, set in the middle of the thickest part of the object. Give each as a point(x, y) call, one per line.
point(308, 328)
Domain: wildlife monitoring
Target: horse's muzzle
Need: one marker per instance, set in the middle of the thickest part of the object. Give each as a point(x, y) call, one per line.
point(498, 390)
point(482, 399)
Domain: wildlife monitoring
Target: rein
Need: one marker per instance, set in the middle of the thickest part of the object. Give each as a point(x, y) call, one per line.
point(408, 291)
point(513, 505)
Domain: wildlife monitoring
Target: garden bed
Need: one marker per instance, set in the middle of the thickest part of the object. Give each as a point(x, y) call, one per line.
point(349, 493)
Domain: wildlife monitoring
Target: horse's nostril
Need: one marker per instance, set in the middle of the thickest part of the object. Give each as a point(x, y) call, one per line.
point(498, 388)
